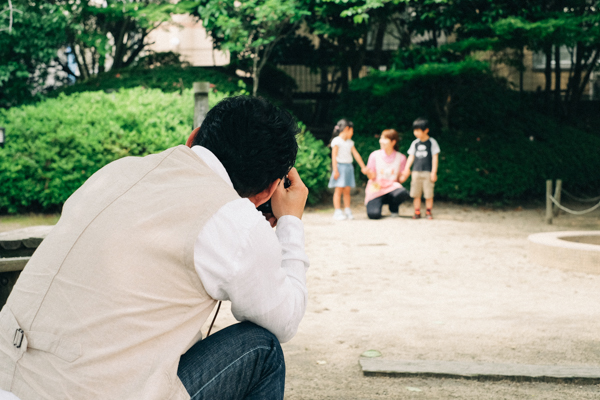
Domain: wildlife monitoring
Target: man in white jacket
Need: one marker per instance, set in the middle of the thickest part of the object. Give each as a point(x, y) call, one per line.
point(112, 302)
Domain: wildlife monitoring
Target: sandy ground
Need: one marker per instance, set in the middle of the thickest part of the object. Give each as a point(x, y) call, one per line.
point(457, 288)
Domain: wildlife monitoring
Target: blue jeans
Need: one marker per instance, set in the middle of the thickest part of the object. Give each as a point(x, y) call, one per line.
point(242, 361)
point(393, 199)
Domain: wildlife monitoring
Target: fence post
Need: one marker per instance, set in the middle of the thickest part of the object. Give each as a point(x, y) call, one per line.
point(557, 193)
point(548, 202)
point(201, 90)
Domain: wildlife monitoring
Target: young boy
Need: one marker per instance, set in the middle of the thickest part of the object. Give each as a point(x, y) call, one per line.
point(423, 152)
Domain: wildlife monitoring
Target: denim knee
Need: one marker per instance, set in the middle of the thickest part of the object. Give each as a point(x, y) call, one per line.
point(373, 214)
point(256, 336)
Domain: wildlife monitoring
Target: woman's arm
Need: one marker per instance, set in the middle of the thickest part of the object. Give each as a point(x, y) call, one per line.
point(406, 172)
point(370, 170)
point(402, 167)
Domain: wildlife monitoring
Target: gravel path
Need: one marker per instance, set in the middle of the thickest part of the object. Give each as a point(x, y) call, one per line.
point(458, 288)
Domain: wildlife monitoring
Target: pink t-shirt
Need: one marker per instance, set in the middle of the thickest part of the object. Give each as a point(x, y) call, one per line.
point(387, 169)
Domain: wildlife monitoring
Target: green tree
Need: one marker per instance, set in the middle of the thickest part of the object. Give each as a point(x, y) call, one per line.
point(114, 30)
point(251, 28)
point(30, 34)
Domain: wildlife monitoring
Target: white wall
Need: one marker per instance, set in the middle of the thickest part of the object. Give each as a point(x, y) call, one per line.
point(186, 36)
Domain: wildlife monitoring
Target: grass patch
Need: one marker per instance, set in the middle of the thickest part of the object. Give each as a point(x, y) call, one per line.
point(11, 222)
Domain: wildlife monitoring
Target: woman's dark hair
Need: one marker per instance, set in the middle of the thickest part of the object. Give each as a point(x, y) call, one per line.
point(421, 123)
point(254, 140)
point(392, 134)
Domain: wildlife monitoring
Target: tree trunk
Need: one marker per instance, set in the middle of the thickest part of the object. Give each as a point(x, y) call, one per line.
point(378, 45)
point(81, 63)
point(360, 59)
point(548, 75)
point(344, 77)
point(521, 69)
point(581, 83)
point(255, 75)
point(120, 46)
point(557, 80)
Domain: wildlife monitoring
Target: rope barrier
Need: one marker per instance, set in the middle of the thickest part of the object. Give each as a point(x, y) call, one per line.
point(590, 200)
point(556, 203)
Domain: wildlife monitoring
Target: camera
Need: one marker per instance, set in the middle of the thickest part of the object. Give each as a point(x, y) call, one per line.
point(265, 208)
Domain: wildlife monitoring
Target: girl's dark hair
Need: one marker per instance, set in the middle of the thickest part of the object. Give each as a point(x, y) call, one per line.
point(392, 134)
point(254, 140)
point(341, 125)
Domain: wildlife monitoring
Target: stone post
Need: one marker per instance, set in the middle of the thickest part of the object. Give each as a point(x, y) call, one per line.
point(557, 196)
point(200, 102)
point(548, 202)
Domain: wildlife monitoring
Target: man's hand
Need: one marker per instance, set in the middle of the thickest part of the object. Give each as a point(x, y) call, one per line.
point(290, 201)
point(271, 219)
point(433, 177)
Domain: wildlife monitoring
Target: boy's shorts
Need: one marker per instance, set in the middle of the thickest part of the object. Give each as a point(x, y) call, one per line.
point(420, 183)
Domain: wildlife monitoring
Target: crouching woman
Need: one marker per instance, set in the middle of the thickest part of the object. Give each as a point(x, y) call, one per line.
point(383, 169)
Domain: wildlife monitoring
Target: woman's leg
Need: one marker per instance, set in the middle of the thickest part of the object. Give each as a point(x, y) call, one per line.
point(242, 361)
point(374, 208)
point(395, 198)
point(337, 198)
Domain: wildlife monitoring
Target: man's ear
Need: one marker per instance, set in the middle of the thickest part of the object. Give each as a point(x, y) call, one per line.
point(262, 197)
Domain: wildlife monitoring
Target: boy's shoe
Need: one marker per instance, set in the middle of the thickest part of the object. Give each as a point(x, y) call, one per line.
point(428, 214)
point(417, 215)
point(348, 213)
point(338, 215)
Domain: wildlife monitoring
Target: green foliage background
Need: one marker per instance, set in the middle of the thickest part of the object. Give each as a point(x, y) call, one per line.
point(498, 146)
point(54, 146)
point(169, 78)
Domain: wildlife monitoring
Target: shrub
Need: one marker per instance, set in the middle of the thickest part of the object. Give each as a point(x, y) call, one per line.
point(498, 147)
point(53, 146)
point(313, 164)
point(168, 78)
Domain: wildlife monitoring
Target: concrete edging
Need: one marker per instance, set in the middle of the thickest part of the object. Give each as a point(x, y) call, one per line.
point(554, 249)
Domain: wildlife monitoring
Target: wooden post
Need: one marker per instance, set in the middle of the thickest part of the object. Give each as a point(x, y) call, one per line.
point(200, 102)
point(548, 202)
point(557, 193)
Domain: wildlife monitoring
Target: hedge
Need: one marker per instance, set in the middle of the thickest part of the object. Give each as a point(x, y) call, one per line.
point(52, 147)
point(169, 78)
point(499, 147)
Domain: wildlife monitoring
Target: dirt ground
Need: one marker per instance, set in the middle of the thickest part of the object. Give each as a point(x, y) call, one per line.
point(457, 288)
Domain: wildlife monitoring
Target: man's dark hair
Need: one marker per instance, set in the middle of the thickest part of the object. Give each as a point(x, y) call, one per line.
point(254, 140)
point(421, 123)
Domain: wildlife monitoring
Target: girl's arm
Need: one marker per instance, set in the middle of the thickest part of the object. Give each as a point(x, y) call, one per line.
point(334, 165)
point(358, 158)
